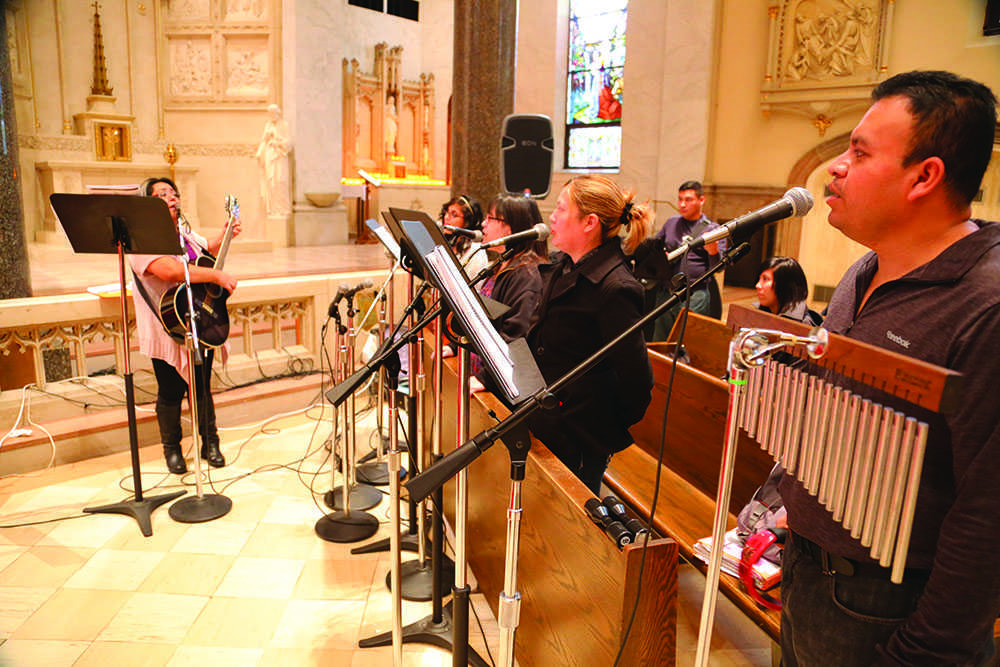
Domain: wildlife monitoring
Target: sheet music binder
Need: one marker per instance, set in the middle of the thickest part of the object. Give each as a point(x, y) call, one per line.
point(511, 364)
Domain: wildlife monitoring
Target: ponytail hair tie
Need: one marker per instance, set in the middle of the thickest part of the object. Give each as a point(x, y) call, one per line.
point(626, 216)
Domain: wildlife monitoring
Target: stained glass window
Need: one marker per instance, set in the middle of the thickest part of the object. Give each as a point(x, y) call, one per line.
point(594, 84)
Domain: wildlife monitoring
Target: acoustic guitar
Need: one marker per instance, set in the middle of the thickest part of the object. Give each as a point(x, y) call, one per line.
point(209, 299)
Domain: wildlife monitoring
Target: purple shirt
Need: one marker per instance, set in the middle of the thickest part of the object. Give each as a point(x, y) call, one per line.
point(698, 261)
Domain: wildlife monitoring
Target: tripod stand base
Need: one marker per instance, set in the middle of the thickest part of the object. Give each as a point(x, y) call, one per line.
point(198, 509)
point(347, 527)
point(376, 473)
point(406, 543)
point(362, 497)
point(417, 583)
point(140, 510)
point(425, 631)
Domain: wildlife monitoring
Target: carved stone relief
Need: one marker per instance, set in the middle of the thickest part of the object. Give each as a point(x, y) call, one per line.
point(825, 56)
point(190, 67)
point(242, 10)
point(220, 53)
point(247, 68)
point(188, 10)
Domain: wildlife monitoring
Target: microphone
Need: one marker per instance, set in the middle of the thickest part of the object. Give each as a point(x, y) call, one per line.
point(473, 234)
point(539, 232)
point(795, 202)
point(332, 310)
point(349, 292)
point(617, 511)
point(615, 530)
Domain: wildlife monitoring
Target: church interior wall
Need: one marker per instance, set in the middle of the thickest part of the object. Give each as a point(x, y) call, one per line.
point(667, 92)
point(217, 140)
point(692, 98)
point(749, 148)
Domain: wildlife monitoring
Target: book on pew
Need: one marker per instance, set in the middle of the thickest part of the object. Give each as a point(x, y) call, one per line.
point(766, 573)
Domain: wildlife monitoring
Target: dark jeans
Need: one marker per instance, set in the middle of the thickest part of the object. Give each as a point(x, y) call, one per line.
point(836, 619)
point(700, 303)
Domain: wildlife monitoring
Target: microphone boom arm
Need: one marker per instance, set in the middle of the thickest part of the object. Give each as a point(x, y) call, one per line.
point(435, 475)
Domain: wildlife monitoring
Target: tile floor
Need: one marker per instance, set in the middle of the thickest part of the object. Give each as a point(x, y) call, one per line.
point(254, 587)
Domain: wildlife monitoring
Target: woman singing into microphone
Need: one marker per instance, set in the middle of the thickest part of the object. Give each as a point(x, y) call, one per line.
point(515, 283)
point(589, 297)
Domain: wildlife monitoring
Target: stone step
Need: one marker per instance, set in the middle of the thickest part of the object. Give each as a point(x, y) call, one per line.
point(104, 432)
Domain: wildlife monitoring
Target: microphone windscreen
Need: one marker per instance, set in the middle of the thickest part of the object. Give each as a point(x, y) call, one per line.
point(802, 200)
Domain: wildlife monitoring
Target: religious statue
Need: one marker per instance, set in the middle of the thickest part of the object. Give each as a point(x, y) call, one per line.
point(272, 155)
point(391, 129)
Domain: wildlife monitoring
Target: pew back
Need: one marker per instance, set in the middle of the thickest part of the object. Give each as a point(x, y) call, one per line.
point(576, 588)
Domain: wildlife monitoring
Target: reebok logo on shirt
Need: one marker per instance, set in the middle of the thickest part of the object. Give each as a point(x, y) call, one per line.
point(898, 340)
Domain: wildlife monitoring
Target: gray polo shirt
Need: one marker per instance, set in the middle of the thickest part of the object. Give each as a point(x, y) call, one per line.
point(946, 312)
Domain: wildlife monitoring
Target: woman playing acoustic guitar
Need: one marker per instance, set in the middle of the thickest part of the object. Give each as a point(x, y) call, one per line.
point(154, 275)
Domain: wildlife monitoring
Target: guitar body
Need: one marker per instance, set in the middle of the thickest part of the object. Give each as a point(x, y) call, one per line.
point(209, 306)
point(210, 312)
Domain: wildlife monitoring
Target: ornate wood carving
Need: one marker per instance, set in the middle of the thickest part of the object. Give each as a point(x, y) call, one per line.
point(388, 121)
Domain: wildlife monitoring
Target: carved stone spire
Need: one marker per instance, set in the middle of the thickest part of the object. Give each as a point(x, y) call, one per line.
point(100, 85)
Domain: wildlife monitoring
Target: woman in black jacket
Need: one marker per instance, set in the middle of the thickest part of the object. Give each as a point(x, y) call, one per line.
point(516, 283)
point(588, 298)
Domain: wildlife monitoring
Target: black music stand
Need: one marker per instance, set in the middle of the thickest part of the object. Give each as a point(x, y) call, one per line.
point(105, 224)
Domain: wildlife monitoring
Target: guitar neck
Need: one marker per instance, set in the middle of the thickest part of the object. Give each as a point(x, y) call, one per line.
point(224, 248)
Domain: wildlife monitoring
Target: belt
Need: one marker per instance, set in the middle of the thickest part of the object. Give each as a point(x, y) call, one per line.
point(834, 564)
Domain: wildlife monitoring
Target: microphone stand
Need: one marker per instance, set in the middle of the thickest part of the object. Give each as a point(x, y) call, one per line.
point(444, 628)
point(200, 507)
point(362, 496)
point(376, 472)
point(344, 525)
point(417, 577)
point(518, 445)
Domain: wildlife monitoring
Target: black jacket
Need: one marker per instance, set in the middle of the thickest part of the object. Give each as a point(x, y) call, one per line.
point(582, 308)
point(518, 286)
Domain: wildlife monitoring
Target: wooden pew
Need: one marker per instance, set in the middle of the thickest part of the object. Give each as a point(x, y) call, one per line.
point(576, 588)
point(692, 454)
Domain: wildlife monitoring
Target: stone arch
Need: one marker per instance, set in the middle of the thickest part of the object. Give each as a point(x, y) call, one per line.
point(788, 236)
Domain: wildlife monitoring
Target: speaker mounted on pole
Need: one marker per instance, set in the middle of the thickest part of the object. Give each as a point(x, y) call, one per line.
point(526, 148)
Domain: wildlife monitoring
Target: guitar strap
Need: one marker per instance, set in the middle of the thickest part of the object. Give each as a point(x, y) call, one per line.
point(145, 295)
point(142, 289)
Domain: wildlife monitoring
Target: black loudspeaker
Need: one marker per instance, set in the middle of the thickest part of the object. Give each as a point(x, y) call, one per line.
point(526, 149)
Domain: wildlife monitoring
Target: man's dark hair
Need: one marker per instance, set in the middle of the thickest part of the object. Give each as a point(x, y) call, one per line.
point(954, 118)
point(692, 185)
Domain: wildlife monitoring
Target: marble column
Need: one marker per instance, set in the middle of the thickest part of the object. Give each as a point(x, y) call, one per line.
point(482, 94)
point(14, 274)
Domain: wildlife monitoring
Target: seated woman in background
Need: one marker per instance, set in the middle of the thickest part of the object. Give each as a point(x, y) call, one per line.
point(515, 283)
point(782, 289)
point(464, 212)
point(589, 297)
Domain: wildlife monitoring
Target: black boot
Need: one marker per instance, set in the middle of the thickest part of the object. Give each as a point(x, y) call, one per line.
point(209, 434)
point(169, 419)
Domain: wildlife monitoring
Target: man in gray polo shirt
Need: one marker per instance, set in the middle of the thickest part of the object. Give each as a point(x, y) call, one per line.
point(930, 289)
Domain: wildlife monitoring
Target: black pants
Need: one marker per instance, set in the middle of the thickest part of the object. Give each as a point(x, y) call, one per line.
point(172, 387)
